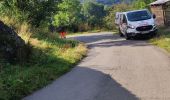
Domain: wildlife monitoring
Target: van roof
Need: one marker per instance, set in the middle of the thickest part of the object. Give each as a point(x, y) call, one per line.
point(133, 11)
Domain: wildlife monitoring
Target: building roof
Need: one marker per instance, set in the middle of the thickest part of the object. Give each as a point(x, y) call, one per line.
point(159, 2)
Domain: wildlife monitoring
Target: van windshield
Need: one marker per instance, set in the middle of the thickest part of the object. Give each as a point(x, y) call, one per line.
point(138, 15)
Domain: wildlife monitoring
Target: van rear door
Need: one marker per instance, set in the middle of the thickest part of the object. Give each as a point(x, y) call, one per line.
point(123, 24)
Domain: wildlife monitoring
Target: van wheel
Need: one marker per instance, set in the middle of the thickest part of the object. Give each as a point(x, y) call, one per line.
point(155, 34)
point(120, 33)
point(127, 37)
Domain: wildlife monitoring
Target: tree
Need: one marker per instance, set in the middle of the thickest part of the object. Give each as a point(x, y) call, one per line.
point(33, 11)
point(141, 4)
point(93, 13)
point(68, 14)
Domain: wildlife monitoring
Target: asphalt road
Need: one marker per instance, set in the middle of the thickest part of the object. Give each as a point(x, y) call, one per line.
point(114, 69)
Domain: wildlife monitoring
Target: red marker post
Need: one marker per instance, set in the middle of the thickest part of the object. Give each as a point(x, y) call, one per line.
point(63, 34)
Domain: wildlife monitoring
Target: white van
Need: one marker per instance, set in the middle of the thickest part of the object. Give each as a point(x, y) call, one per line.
point(137, 22)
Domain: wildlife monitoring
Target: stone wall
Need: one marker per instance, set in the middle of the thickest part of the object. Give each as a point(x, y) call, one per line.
point(159, 12)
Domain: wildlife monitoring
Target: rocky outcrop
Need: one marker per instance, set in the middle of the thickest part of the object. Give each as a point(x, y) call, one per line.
point(12, 46)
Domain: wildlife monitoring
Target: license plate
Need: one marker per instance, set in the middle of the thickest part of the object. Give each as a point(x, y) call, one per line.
point(144, 32)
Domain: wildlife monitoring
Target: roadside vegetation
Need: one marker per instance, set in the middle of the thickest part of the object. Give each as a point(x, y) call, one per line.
point(163, 40)
point(48, 58)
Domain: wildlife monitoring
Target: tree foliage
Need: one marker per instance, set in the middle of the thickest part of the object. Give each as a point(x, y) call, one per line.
point(33, 11)
point(68, 14)
point(93, 13)
point(141, 4)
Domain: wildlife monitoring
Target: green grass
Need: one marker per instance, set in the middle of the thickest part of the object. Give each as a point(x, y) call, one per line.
point(163, 40)
point(50, 59)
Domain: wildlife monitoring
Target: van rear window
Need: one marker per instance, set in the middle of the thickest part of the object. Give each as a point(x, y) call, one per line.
point(138, 15)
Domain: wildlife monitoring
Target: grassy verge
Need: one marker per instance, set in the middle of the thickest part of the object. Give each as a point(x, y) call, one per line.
point(50, 59)
point(163, 40)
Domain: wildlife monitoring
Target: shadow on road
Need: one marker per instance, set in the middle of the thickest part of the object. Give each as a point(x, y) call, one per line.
point(83, 83)
point(109, 88)
point(131, 43)
point(94, 38)
point(108, 40)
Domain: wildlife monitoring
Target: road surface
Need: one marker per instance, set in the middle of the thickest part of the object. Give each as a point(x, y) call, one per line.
point(114, 69)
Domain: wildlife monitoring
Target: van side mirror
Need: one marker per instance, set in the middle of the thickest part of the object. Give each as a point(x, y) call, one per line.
point(154, 16)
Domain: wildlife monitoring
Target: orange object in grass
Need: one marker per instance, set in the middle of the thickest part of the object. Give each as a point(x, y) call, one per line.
point(63, 35)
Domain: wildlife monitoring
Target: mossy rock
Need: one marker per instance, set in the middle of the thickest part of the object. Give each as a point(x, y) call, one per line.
point(12, 46)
